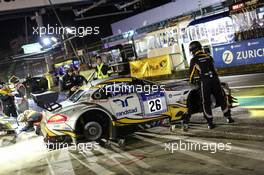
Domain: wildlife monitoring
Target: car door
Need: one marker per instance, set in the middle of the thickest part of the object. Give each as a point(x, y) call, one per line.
point(124, 103)
point(151, 97)
point(153, 104)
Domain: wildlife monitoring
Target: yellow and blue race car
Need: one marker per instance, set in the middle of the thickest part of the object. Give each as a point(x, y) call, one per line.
point(111, 109)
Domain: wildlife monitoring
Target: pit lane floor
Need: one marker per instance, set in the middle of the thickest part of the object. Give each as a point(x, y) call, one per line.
point(155, 151)
point(234, 149)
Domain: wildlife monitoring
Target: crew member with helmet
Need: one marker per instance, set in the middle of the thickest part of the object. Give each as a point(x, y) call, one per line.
point(203, 64)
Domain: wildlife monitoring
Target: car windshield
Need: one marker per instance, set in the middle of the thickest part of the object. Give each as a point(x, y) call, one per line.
point(76, 96)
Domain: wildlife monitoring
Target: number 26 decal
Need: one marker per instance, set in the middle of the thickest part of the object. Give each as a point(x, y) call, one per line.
point(155, 105)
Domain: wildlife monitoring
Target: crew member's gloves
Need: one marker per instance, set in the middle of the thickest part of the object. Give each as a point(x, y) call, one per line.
point(74, 88)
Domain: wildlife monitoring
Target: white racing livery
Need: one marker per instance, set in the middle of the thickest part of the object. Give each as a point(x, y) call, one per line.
point(112, 108)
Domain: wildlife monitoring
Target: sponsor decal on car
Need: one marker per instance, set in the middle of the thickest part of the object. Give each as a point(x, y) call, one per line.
point(174, 95)
point(153, 104)
point(126, 112)
point(124, 103)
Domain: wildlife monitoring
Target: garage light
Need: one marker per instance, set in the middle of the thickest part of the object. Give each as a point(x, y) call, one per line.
point(54, 39)
point(32, 48)
point(46, 41)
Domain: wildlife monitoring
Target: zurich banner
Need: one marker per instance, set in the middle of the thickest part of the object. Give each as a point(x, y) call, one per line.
point(239, 53)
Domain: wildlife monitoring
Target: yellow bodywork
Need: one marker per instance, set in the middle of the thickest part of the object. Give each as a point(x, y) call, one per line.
point(52, 134)
point(175, 113)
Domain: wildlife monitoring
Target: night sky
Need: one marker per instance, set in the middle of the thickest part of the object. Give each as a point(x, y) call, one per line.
point(13, 25)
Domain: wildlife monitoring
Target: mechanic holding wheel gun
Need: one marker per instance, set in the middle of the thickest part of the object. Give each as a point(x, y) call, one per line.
point(210, 83)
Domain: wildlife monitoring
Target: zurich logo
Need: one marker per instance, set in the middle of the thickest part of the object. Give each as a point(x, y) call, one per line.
point(228, 57)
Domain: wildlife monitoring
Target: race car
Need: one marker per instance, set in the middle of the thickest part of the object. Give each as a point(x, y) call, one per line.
point(115, 107)
point(111, 109)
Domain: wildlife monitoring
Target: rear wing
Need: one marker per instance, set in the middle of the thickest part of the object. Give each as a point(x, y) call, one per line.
point(47, 100)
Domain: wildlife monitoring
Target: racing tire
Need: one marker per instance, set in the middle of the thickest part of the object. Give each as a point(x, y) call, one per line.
point(93, 131)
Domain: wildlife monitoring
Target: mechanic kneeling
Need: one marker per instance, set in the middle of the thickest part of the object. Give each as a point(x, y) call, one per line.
point(30, 117)
point(210, 83)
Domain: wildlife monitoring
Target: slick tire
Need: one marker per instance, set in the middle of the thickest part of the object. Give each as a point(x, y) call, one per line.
point(93, 131)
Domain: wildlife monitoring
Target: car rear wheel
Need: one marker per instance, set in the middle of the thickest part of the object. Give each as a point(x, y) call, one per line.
point(93, 131)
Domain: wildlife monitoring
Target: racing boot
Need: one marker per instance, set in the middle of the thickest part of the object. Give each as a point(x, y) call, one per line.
point(228, 117)
point(210, 124)
point(184, 126)
point(185, 122)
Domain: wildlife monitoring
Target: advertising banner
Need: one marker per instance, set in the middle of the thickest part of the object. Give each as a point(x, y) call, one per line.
point(149, 67)
point(239, 53)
